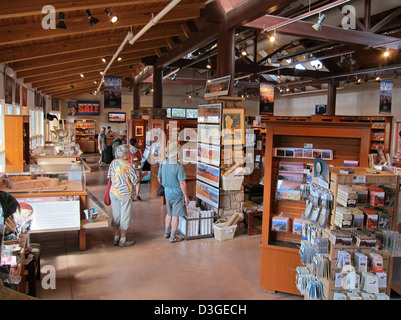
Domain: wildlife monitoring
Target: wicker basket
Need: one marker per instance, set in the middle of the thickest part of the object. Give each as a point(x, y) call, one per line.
point(223, 233)
point(232, 183)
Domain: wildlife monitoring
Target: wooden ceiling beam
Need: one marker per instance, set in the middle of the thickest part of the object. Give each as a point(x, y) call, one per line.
point(23, 8)
point(328, 33)
point(20, 33)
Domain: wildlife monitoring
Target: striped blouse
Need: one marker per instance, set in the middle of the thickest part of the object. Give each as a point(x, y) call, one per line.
point(123, 178)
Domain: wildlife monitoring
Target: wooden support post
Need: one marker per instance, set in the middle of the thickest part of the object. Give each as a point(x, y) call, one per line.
point(157, 87)
point(331, 98)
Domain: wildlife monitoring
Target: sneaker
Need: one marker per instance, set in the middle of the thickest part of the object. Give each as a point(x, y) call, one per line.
point(176, 239)
point(139, 198)
point(116, 242)
point(126, 244)
point(167, 235)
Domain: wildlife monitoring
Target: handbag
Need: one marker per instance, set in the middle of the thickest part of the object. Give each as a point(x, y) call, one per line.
point(107, 200)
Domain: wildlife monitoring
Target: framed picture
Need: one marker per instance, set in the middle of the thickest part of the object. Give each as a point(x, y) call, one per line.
point(9, 90)
point(17, 94)
point(209, 154)
point(208, 174)
point(209, 113)
point(189, 155)
point(207, 193)
point(233, 127)
point(217, 87)
point(139, 131)
point(209, 133)
point(188, 134)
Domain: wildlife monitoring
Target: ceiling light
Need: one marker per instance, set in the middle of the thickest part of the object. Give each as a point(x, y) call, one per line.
point(119, 58)
point(101, 72)
point(104, 60)
point(243, 52)
point(395, 74)
point(386, 53)
point(300, 66)
point(95, 82)
point(61, 24)
point(318, 26)
point(351, 61)
point(82, 75)
point(113, 17)
point(92, 20)
point(174, 77)
point(71, 86)
point(273, 36)
point(209, 64)
point(339, 63)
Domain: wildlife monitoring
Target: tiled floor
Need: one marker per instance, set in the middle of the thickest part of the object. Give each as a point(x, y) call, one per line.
point(152, 269)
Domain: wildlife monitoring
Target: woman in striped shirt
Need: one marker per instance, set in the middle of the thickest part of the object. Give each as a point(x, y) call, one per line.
point(123, 180)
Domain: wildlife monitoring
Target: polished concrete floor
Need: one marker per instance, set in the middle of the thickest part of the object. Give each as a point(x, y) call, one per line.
point(152, 269)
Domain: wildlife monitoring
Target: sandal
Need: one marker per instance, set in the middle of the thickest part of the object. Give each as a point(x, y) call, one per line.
point(126, 244)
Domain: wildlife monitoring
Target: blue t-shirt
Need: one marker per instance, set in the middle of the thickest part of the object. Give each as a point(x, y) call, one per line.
point(170, 175)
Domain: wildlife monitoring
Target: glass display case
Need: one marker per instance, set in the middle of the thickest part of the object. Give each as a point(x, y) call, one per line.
point(44, 178)
point(58, 149)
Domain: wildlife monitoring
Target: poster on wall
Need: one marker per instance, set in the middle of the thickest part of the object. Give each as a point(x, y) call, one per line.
point(112, 92)
point(9, 90)
point(17, 95)
point(386, 94)
point(24, 96)
point(266, 104)
point(72, 107)
point(88, 108)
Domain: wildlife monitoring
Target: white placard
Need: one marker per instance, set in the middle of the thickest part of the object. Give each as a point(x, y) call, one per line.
point(54, 213)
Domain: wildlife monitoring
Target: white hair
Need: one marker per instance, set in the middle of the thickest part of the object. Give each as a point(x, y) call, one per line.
point(121, 151)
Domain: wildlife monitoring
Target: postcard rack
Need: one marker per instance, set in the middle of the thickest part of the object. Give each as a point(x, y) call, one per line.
point(355, 235)
point(280, 249)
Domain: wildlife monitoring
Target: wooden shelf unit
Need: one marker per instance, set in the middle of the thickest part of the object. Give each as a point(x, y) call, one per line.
point(85, 134)
point(280, 250)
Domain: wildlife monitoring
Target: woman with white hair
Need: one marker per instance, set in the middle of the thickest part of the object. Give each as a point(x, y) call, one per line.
point(123, 180)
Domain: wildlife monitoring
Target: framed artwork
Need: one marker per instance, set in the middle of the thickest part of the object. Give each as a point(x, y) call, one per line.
point(217, 87)
point(139, 131)
point(207, 193)
point(190, 155)
point(17, 95)
point(208, 174)
point(209, 133)
point(209, 113)
point(9, 90)
point(209, 154)
point(188, 134)
point(233, 126)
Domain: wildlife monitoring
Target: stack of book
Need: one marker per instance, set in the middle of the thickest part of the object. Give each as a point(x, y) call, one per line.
point(347, 196)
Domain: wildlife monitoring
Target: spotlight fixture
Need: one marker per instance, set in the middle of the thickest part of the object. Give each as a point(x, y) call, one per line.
point(273, 36)
point(92, 20)
point(341, 61)
point(351, 61)
point(318, 26)
point(101, 72)
point(174, 77)
point(113, 18)
point(386, 53)
point(61, 24)
point(395, 76)
point(366, 79)
point(82, 75)
point(243, 52)
point(119, 58)
point(104, 60)
point(209, 64)
point(71, 86)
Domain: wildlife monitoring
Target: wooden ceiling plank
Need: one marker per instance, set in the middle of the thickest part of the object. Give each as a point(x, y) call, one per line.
point(23, 8)
point(18, 33)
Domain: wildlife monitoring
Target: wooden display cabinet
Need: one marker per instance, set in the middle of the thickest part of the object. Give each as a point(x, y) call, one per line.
point(16, 132)
point(280, 250)
point(85, 134)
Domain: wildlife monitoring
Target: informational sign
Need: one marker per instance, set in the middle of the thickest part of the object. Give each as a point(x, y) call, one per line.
point(112, 92)
point(53, 213)
point(266, 99)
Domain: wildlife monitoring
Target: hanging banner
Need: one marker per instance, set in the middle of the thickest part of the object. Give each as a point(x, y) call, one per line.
point(266, 98)
point(112, 92)
point(386, 94)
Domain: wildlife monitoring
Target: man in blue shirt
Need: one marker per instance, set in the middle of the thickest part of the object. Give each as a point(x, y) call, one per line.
point(172, 177)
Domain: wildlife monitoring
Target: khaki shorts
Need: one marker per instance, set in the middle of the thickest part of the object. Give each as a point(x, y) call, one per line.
point(121, 208)
point(176, 208)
